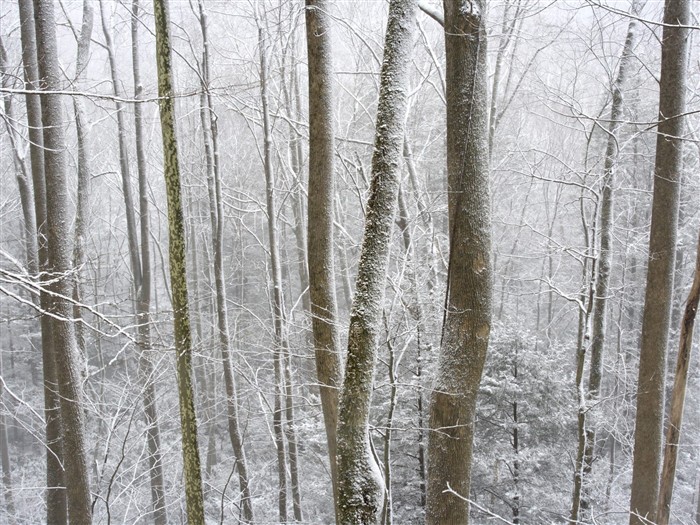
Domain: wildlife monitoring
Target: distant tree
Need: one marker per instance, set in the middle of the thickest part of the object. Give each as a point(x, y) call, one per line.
point(178, 277)
point(648, 431)
point(359, 481)
point(467, 317)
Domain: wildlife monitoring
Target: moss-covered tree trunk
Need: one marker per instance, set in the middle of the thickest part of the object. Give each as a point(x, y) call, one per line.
point(646, 469)
point(360, 486)
point(178, 275)
point(467, 322)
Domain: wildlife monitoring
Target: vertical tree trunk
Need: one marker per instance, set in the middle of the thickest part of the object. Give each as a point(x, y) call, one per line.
point(143, 293)
point(59, 264)
point(581, 501)
point(278, 307)
point(56, 509)
point(6, 466)
point(324, 307)
point(662, 251)
point(673, 432)
point(210, 133)
point(467, 323)
point(178, 275)
point(359, 480)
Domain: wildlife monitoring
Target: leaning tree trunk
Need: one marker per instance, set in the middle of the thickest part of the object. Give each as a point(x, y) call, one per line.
point(584, 464)
point(673, 432)
point(324, 307)
point(467, 322)
point(59, 264)
point(359, 480)
point(56, 510)
point(646, 468)
point(143, 293)
point(178, 275)
point(210, 132)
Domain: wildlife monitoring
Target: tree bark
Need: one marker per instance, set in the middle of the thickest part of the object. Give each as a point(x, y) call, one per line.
point(673, 432)
point(56, 509)
point(324, 306)
point(59, 263)
point(178, 274)
point(210, 132)
point(359, 480)
point(467, 323)
point(143, 293)
point(662, 251)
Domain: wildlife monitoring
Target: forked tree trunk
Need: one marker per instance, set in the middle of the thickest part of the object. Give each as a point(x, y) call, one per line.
point(178, 274)
point(59, 264)
point(673, 432)
point(467, 323)
point(210, 132)
point(359, 480)
point(324, 307)
point(646, 468)
point(56, 510)
point(143, 293)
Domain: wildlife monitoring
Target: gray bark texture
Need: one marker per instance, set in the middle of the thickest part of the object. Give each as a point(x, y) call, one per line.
point(60, 264)
point(673, 431)
point(646, 468)
point(178, 275)
point(360, 486)
point(324, 306)
point(56, 510)
point(467, 323)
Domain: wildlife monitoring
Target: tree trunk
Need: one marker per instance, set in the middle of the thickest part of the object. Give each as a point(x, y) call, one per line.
point(359, 480)
point(673, 432)
point(6, 467)
point(143, 293)
point(178, 274)
point(324, 307)
point(209, 129)
point(662, 251)
point(56, 510)
point(59, 263)
point(467, 322)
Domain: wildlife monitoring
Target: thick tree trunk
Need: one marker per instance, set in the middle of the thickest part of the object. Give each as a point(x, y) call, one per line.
point(143, 293)
point(673, 432)
point(324, 307)
point(178, 274)
point(210, 133)
point(662, 251)
point(59, 263)
point(359, 481)
point(56, 509)
point(467, 323)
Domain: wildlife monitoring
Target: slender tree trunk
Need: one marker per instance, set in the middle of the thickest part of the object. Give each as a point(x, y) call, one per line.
point(6, 466)
point(359, 480)
point(56, 507)
point(210, 133)
point(324, 307)
point(143, 291)
point(59, 263)
point(276, 270)
point(603, 267)
point(467, 323)
point(178, 274)
point(662, 250)
point(673, 432)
